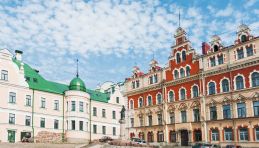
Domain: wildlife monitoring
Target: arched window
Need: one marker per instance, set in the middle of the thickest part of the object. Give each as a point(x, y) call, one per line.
point(149, 100)
point(171, 96)
point(239, 83)
point(178, 58)
point(184, 55)
point(159, 98)
point(176, 74)
point(216, 48)
point(255, 79)
point(182, 73)
point(225, 85)
point(195, 92)
point(131, 104)
point(188, 70)
point(182, 92)
point(212, 88)
point(140, 102)
point(243, 38)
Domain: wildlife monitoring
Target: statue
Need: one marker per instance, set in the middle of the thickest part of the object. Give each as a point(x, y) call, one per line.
point(123, 112)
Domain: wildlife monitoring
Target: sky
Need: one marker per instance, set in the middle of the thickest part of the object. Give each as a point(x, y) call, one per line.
point(109, 37)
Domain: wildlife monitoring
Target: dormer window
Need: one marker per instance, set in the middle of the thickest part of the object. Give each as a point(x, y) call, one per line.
point(249, 51)
point(153, 79)
point(216, 48)
point(135, 84)
point(243, 38)
point(178, 58)
point(220, 59)
point(184, 55)
point(240, 54)
point(212, 62)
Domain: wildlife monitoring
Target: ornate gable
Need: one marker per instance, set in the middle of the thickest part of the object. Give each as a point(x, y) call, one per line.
point(182, 107)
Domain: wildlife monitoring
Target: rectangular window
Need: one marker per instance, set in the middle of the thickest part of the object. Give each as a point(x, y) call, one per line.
point(256, 108)
point(133, 85)
point(226, 111)
point(243, 134)
point(86, 107)
point(183, 116)
point(241, 110)
point(42, 122)
point(228, 134)
point(28, 120)
point(55, 124)
point(73, 125)
point(196, 115)
point(159, 118)
point(160, 137)
point(81, 125)
point(104, 130)
point(94, 111)
point(155, 78)
point(4, 75)
point(150, 80)
point(113, 115)
point(150, 120)
point(43, 103)
point(28, 100)
point(73, 105)
point(172, 118)
point(220, 59)
point(240, 54)
point(132, 122)
point(81, 106)
point(137, 83)
point(257, 134)
point(103, 113)
point(117, 99)
point(114, 131)
point(95, 129)
point(56, 105)
point(212, 62)
point(213, 113)
point(249, 51)
point(12, 97)
point(214, 135)
point(11, 118)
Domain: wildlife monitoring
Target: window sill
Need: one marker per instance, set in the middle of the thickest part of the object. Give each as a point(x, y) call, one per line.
point(27, 105)
point(12, 103)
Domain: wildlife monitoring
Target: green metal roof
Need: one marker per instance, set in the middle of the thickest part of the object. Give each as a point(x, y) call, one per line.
point(37, 82)
point(77, 84)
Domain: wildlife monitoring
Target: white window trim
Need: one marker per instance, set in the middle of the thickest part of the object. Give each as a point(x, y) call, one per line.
point(176, 57)
point(209, 87)
point(184, 72)
point(250, 77)
point(185, 54)
point(157, 98)
point(139, 101)
point(241, 34)
point(174, 73)
point(192, 90)
point(186, 69)
point(221, 89)
point(151, 100)
point(168, 98)
point(180, 96)
point(244, 80)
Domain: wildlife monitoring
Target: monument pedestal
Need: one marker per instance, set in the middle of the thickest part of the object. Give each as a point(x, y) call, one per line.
point(122, 129)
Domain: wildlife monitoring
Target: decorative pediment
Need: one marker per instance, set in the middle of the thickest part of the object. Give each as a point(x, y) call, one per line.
point(182, 107)
point(212, 102)
point(159, 110)
point(195, 104)
point(226, 100)
point(171, 108)
point(240, 98)
point(149, 112)
point(255, 96)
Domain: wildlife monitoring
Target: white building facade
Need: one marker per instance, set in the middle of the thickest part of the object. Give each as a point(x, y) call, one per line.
point(31, 106)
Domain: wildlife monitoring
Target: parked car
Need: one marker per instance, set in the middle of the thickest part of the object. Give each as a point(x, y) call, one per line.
point(105, 139)
point(233, 146)
point(205, 145)
point(138, 140)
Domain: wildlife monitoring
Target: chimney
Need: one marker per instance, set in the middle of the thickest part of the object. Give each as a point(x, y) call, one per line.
point(18, 55)
point(205, 48)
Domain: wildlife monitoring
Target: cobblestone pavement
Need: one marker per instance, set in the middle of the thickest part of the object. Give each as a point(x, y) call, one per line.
point(39, 145)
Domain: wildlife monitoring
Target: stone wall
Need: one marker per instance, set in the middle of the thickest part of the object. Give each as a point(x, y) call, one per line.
point(48, 137)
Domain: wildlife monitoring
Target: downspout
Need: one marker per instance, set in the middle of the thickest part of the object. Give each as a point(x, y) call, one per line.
point(32, 116)
point(204, 102)
point(63, 117)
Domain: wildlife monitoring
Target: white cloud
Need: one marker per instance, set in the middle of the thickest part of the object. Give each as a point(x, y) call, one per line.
point(225, 12)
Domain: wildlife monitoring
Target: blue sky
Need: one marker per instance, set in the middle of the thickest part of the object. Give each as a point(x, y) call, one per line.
point(110, 36)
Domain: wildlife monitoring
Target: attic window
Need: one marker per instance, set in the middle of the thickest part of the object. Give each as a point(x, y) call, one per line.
point(243, 38)
point(216, 48)
point(35, 80)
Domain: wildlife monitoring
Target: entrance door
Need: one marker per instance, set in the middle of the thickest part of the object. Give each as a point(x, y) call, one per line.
point(184, 138)
point(11, 136)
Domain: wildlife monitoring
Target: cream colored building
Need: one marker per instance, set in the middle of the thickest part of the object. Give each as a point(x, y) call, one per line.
point(31, 105)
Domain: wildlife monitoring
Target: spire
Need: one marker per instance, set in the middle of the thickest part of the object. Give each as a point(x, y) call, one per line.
point(77, 68)
point(153, 56)
point(179, 18)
